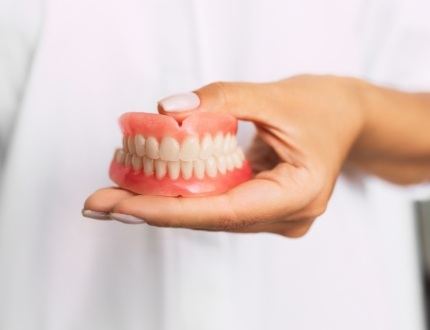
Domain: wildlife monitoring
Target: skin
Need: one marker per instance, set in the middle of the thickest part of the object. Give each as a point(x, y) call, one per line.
point(309, 128)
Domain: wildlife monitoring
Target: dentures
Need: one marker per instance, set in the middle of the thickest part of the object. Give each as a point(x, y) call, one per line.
point(198, 157)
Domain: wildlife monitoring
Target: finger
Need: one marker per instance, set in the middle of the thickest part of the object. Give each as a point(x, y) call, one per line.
point(295, 231)
point(99, 204)
point(270, 196)
point(246, 101)
point(179, 106)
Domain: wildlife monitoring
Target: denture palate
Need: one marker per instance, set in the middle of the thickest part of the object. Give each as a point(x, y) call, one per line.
point(191, 157)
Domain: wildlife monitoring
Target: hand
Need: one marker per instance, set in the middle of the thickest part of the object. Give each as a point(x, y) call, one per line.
point(306, 127)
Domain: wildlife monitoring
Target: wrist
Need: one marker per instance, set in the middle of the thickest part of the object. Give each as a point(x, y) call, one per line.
point(373, 116)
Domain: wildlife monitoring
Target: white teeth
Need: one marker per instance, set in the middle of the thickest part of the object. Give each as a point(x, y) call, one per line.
point(125, 143)
point(218, 144)
point(139, 144)
point(191, 158)
point(136, 162)
point(226, 144)
point(241, 154)
point(221, 164)
point(229, 162)
point(199, 169)
point(236, 160)
point(173, 169)
point(160, 169)
point(187, 170)
point(169, 149)
point(130, 144)
point(190, 148)
point(127, 161)
point(233, 144)
point(148, 166)
point(152, 148)
point(119, 156)
point(206, 147)
point(211, 169)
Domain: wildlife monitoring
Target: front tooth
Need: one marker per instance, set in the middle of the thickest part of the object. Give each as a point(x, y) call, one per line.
point(148, 166)
point(206, 147)
point(190, 148)
point(221, 164)
point(173, 169)
point(229, 163)
point(125, 143)
point(218, 144)
point(226, 144)
point(169, 149)
point(127, 161)
point(130, 144)
point(160, 169)
point(119, 156)
point(199, 169)
point(211, 169)
point(139, 145)
point(187, 169)
point(236, 160)
point(152, 148)
point(136, 162)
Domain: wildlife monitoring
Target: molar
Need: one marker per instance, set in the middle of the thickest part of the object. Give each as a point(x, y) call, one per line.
point(169, 149)
point(125, 143)
point(229, 162)
point(127, 160)
point(236, 160)
point(233, 144)
point(152, 148)
point(139, 144)
point(241, 155)
point(130, 144)
point(119, 156)
point(226, 144)
point(190, 148)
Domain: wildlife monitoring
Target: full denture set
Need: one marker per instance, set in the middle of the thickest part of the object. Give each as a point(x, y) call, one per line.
point(161, 156)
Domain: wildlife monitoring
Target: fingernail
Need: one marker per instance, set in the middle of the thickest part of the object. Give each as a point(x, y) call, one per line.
point(95, 215)
point(125, 218)
point(180, 102)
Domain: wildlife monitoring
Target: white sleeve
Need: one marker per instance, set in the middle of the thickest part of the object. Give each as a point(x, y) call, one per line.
point(19, 28)
point(396, 38)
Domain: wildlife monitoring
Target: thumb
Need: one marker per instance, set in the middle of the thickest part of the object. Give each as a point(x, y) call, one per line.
point(245, 101)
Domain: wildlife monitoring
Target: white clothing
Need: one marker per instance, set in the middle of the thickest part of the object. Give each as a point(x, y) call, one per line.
point(357, 268)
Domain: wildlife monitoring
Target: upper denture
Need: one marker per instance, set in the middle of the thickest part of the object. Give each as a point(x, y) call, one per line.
point(158, 126)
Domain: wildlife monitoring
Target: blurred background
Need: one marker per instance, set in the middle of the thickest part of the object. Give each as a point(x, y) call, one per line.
point(69, 68)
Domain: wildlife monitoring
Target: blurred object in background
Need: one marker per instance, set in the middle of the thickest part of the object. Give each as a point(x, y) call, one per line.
point(423, 217)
